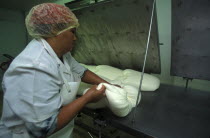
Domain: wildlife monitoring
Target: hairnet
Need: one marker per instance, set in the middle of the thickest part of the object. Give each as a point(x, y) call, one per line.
point(49, 19)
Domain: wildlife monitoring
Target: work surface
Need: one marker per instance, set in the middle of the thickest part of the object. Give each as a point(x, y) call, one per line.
point(169, 112)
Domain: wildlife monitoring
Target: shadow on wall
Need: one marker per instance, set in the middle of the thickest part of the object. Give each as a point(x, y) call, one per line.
point(1, 101)
point(1, 92)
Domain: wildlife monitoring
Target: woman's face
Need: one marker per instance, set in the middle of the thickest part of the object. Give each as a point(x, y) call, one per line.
point(68, 39)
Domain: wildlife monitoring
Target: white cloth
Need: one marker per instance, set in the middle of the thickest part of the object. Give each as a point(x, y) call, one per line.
point(120, 100)
point(32, 86)
point(124, 77)
point(109, 72)
point(132, 77)
point(117, 99)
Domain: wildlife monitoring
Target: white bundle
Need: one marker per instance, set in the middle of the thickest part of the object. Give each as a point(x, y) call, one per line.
point(117, 99)
point(132, 77)
point(120, 100)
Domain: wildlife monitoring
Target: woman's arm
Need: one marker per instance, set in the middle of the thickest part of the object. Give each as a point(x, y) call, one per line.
point(69, 111)
point(92, 78)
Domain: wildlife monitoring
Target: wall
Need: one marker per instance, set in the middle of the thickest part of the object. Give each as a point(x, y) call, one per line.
point(13, 34)
point(164, 26)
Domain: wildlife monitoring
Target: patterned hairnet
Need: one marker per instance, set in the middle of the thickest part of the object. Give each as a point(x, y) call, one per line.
point(49, 19)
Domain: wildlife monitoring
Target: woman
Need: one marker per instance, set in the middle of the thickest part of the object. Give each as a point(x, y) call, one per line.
point(41, 83)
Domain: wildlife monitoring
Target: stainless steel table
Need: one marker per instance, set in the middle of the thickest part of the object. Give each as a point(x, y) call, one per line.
point(169, 112)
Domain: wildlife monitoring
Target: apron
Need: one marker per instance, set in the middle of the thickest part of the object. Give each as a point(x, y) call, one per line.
point(68, 91)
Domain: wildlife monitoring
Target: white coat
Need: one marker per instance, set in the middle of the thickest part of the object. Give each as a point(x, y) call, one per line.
point(32, 91)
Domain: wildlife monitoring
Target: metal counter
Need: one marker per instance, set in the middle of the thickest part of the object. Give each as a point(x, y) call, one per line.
point(169, 112)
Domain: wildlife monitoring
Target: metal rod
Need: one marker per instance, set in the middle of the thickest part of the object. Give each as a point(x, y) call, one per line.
point(145, 58)
point(187, 82)
point(99, 131)
point(90, 135)
point(186, 86)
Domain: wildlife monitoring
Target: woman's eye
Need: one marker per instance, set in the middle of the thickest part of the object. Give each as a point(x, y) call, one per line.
point(73, 31)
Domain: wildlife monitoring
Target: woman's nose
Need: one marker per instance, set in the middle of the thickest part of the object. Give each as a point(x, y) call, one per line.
point(75, 38)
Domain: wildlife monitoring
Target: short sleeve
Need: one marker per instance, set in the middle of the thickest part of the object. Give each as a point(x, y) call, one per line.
point(75, 66)
point(43, 128)
point(32, 92)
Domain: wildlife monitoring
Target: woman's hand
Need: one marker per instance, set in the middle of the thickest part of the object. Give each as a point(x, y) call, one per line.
point(94, 95)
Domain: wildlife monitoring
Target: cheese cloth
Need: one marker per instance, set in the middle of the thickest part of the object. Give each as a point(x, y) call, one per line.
point(120, 100)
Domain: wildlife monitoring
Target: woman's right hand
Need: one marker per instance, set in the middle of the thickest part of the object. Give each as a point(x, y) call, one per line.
point(94, 95)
